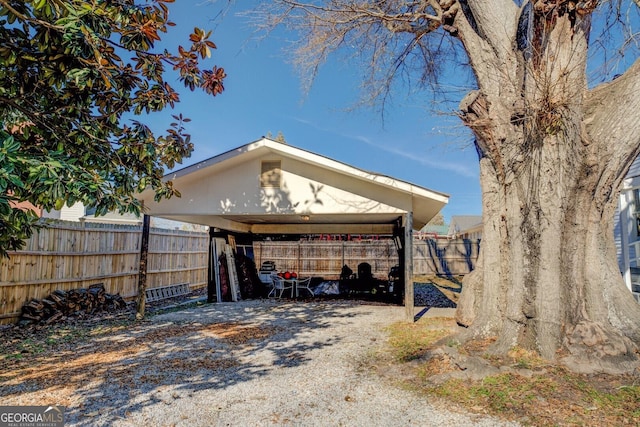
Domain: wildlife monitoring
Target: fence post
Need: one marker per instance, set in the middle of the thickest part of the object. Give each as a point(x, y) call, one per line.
point(142, 274)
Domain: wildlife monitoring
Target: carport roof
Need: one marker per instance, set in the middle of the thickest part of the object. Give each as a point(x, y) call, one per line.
point(398, 196)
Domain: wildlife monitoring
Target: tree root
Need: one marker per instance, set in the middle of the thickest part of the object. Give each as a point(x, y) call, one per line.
point(449, 363)
point(588, 348)
point(594, 349)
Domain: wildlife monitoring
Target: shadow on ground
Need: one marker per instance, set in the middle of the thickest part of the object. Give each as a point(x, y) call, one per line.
point(210, 347)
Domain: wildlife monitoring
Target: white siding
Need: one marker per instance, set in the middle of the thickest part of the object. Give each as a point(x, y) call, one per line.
point(625, 228)
point(634, 170)
point(617, 236)
point(72, 213)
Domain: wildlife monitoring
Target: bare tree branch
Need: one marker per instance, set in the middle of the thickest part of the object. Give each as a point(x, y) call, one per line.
point(606, 105)
point(393, 39)
point(496, 21)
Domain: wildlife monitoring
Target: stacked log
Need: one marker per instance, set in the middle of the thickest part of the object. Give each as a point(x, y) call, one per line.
point(76, 302)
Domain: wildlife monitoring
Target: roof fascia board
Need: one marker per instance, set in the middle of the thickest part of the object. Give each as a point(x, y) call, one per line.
point(322, 228)
point(209, 220)
point(226, 224)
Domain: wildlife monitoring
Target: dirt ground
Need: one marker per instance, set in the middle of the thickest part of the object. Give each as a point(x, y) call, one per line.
point(87, 363)
point(220, 364)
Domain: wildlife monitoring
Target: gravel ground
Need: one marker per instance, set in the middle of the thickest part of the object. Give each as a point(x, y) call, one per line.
point(251, 363)
point(428, 295)
point(309, 372)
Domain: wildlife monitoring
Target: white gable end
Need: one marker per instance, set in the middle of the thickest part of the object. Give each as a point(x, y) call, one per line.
point(304, 189)
point(268, 182)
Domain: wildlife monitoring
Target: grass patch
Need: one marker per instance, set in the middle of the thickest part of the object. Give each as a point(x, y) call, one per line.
point(531, 391)
point(501, 394)
point(545, 400)
point(411, 340)
point(24, 343)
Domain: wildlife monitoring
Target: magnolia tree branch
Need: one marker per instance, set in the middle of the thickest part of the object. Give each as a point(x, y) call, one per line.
point(26, 18)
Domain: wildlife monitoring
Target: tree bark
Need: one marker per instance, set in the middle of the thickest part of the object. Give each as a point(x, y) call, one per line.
point(553, 155)
point(141, 300)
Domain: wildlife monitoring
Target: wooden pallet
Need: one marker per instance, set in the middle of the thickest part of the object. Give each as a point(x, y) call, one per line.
point(171, 291)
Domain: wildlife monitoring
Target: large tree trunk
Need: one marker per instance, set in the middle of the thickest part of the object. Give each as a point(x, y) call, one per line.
point(553, 155)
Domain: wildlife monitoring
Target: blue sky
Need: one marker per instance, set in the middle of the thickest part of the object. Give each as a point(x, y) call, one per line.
point(263, 94)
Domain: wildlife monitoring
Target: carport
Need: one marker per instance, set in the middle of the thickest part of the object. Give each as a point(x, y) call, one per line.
point(268, 187)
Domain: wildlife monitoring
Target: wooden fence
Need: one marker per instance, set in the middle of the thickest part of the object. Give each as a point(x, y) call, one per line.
point(70, 255)
point(455, 257)
point(325, 259)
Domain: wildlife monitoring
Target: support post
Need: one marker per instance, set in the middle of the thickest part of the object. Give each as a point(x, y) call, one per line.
point(211, 278)
point(408, 266)
point(142, 268)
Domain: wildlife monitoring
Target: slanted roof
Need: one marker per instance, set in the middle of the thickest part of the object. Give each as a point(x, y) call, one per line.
point(439, 230)
point(464, 223)
point(315, 194)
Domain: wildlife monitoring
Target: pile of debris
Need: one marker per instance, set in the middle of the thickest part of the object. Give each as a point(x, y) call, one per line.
point(62, 304)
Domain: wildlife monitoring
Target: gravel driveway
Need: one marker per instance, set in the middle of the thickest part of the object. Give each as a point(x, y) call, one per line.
point(251, 363)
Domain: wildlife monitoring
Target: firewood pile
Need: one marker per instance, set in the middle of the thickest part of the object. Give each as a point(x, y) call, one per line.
point(77, 302)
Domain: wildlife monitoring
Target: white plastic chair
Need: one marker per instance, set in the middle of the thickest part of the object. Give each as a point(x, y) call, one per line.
point(276, 285)
point(304, 284)
point(279, 286)
point(288, 284)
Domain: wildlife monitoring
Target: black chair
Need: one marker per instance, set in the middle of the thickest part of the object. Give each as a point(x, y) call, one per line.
point(364, 271)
